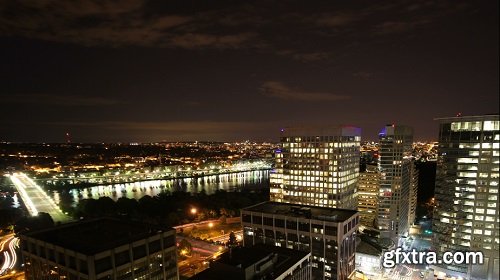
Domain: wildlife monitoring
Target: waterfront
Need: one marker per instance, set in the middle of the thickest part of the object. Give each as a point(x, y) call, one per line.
point(258, 179)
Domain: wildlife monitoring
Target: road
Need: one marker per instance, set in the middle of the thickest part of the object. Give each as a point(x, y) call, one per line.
point(411, 272)
point(35, 199)
point(198, 261)
point(224, 238)
point(203, 223)
point(8, 259)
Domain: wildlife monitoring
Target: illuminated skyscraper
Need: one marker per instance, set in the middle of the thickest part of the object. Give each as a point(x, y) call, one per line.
point(413, 194)
point(467, 214)
point(317, 167)
point(395, 165)
point(368, 192)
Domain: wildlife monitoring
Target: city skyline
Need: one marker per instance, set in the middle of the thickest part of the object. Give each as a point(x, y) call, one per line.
point(143, 71)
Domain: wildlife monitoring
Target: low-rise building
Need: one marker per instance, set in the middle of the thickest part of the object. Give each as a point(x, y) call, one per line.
point(259, 262)
point(329, 234)
point(100, 249)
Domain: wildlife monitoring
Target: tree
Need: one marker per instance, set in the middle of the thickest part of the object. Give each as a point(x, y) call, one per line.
point(232, 240)
point(41, 221)
point(126, 206)
point(185, 248)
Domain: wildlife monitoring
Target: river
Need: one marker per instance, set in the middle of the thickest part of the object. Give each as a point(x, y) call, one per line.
point(230, 182)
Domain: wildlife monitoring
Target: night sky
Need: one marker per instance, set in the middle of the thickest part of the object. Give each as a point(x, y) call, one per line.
point(144, 71)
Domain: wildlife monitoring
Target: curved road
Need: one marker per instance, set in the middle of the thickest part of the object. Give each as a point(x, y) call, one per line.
point(8, 247)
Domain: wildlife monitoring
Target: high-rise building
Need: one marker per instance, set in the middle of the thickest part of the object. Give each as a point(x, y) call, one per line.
point(329, 234)
point(413, 194)
point(317, 166)
point(466, 217)
point(368, 192)
point(395, 165)
point(100, 249)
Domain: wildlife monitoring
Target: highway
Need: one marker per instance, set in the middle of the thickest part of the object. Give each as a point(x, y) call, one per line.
point(8, 245)
point(35, 199)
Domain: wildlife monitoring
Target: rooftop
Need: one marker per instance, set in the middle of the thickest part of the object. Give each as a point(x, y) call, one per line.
point(468, 118)
point(364, 247)
point(232, 265)
point(304, 211)
point(90, 237)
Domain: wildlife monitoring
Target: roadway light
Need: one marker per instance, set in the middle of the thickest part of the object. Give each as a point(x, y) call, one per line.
point(210, 225)
point(194, 210)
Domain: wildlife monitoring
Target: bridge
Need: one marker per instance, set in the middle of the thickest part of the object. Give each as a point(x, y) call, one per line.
point(35, 199)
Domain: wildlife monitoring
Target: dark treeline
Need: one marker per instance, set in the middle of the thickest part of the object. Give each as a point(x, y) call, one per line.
point(172, 208)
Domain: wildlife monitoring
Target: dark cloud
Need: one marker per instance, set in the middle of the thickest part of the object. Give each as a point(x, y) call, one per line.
point(195, 41)
point(111, 23)
point(140, 68)
point(57, 100)
point(338, 20)
point(178, 25)
point(364, 75)
point(279, 90)
point(305, 56)
point(391, 27)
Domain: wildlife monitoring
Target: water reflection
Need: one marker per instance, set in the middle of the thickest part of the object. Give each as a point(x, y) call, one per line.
point(229, 182)
point(15, 202)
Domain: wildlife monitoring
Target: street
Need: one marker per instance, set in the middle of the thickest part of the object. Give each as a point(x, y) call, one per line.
point(198, 261)
point(8, 255)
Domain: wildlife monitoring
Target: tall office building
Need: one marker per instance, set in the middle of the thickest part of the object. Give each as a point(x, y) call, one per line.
point(467, 214)
point(317, 167)
point(368, 191)
point(413, 194)
point(395, 165)
point(100, 249)
point(329, 234)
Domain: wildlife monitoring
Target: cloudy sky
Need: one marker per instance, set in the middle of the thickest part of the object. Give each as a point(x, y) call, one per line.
point(143, 71)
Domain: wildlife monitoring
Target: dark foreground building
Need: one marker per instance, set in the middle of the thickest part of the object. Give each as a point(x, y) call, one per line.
point(259, 262)
point(329, 234)
point(100, 249)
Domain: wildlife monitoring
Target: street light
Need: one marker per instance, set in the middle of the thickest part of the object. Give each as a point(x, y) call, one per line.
point(210, 225)
point(194, 210)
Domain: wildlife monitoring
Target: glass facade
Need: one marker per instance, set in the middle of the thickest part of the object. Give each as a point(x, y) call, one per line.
point(467, 214)
point(317, 168)
point(332, 244)
point(396, 186)
point(368, 191)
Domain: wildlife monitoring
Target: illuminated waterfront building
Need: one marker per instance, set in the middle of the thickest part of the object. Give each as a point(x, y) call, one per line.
point(467, 214)
point(100, 249)
point(368, 192)
point(395, 165)
point(317, 166)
